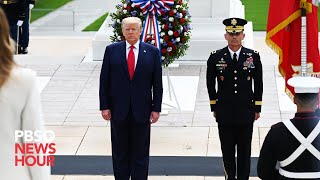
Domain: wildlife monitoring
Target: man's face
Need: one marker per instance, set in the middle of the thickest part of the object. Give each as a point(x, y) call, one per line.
point(132, 32)
point(234, 39)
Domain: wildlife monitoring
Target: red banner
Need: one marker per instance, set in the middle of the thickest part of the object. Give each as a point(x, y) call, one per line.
point(284, 37)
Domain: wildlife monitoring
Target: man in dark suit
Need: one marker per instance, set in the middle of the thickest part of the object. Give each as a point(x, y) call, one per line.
point(291, 149)
point(234, 103)
point(131, 97)
point(15, 12)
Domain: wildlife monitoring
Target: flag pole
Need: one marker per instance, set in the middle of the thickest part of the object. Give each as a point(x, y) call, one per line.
point(303, 38)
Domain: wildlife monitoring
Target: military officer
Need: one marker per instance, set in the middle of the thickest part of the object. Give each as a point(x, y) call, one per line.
point(291, 149)
point(24, 42)
point(15, 12)
point(235, 103)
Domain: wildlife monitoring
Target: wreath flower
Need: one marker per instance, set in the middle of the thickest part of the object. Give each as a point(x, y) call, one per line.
point(170, 16)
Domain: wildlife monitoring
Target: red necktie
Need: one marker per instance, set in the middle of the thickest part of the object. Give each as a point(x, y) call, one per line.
point(131, 62)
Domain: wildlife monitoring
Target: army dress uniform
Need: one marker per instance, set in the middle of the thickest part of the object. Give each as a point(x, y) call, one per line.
point(291, 149)
point(24, 42)
point(14, 10)
point(235, 103)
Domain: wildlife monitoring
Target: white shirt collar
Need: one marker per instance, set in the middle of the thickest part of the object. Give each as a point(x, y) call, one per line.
point(231, 52)
point(136, 45)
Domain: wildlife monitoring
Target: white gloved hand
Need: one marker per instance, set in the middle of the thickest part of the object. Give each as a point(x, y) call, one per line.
point(19, 23)
point(31, 6)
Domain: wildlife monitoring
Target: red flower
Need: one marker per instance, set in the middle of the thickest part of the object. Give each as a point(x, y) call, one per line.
point(149, 38)
point(180, 2)
point(128, 7)
point(171, 13)
point(183, 13)
point(164, 51)
point(170, 43)
point(182, 40)
point(174, 47)
point(166, 27)
point(182, 20)
point(165, 38)
point(176, 34)
point(170, 53)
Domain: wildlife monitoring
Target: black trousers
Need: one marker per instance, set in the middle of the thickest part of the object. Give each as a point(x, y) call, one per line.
point(130, 148)
point(232, 138)
point(24, 38)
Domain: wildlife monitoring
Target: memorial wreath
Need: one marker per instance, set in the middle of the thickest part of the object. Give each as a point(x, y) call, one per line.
point(166, 25)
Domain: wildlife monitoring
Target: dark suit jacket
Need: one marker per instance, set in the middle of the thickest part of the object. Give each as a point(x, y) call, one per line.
point(235, 101)
point(142, 94)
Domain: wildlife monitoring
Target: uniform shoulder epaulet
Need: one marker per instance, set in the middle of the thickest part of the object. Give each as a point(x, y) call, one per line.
point(256, 52)
point(213, 52)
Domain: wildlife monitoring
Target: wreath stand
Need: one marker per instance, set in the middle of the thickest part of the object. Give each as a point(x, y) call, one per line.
point(171, 91)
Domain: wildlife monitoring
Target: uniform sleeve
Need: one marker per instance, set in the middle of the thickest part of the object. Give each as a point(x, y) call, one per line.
point(258, 83)
point(267, 160)
point(31, 120)
point(211, 82)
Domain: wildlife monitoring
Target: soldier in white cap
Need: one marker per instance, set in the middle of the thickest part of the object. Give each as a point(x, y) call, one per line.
point(291, 148)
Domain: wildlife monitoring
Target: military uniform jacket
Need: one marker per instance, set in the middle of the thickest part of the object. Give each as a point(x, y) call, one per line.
point(31, 2)
point(235, 100)
point(14, 9)
point(279, 144)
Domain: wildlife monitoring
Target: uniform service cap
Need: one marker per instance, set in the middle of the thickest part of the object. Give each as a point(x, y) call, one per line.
point(234, 25)
point(305, 84)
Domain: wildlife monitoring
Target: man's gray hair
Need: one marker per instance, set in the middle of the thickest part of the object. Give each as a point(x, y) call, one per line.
point(131, 20)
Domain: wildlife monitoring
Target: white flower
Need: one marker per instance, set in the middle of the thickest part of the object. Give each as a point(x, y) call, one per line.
point(152, 42)
point(132, 5)
point(125, 5)
point(141, 13)
point(162, 34)
point(178, 39)
point(161, 40)
point(177, 6)
point(162, 26)
point(162, 57)
point(180, 15)
point(186, 17)
point(169, 49)
point(170, 33)
point(171, 19)
point(175, 11)
point(124, 11)
point(181, 28)
point(118, 21)
point(119, 37)
point(186, 34)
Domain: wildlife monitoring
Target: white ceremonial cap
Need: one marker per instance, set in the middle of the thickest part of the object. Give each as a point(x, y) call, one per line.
point(305, 84)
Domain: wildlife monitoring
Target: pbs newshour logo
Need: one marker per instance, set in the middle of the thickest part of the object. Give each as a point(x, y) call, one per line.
point(34, 148)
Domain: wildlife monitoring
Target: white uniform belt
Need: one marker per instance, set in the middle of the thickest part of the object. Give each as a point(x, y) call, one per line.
point(305, 143)
point(299, 175)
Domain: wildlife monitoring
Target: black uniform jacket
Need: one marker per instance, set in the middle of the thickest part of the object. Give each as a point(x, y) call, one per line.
point(14, 9)
point(279, 144)
point(235, 100)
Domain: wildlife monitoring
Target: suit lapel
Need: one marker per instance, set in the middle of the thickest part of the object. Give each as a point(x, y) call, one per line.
point(123, 58)
point(140, 60)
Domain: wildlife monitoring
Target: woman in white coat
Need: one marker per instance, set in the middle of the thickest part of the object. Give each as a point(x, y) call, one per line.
point(19, 110)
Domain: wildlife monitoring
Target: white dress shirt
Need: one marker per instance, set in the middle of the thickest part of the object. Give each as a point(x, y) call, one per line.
point(135, 51)
point(238, 52)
